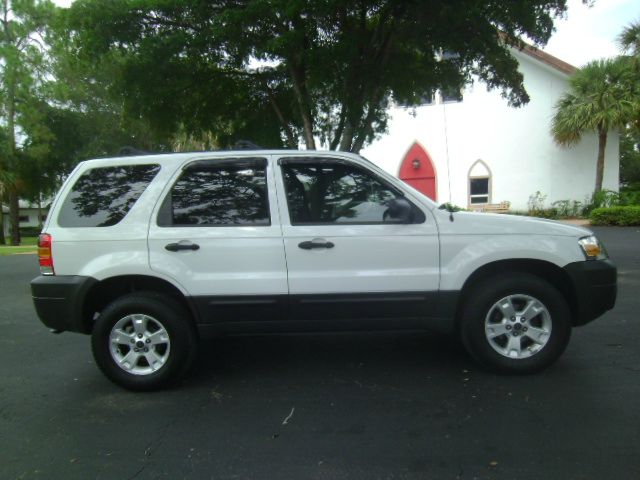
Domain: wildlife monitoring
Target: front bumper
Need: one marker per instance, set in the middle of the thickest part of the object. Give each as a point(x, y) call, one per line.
point(595, 287)
point(59, 301)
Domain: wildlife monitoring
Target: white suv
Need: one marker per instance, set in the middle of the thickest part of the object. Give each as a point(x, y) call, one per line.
point(144, 252)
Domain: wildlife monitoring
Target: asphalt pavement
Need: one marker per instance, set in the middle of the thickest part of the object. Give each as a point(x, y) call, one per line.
point(365, 406)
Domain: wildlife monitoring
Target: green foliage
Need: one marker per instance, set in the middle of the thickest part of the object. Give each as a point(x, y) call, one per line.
point(568, 208)
point(29, 232)
point(629, 156)
point(622, 216)
point(536, 203)
point(450, 207)
point(599, 99)
point(279, 72)
point(629, 196)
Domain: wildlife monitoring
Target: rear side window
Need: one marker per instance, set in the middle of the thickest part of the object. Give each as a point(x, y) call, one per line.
point(219, 193)
point(101, 197)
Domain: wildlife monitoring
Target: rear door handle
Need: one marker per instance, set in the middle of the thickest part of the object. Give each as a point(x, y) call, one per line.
point(308, 245)
point(175, 247)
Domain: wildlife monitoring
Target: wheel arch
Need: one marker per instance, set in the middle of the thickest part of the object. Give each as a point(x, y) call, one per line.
point(547, 271)
point(105, 291)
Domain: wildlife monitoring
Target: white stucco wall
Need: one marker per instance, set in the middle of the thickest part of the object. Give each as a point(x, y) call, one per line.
point(514, 143)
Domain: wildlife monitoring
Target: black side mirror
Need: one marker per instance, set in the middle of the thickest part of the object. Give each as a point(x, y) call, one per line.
point(399, 210)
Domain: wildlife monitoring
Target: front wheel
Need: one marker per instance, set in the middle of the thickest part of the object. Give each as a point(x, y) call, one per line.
point(515, 323)
point(143, 341)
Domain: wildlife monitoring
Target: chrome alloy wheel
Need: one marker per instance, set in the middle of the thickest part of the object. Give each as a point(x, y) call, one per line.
point(139, 344)
point(518, 326)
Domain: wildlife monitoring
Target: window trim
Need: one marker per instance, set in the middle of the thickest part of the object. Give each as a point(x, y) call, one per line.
point(166, 205)
point(489, 177)
point(419, 215)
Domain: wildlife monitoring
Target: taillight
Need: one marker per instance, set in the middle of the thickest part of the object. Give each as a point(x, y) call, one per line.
point(44, 254)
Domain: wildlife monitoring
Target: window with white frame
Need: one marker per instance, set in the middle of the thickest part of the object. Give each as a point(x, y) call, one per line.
point(479, 184)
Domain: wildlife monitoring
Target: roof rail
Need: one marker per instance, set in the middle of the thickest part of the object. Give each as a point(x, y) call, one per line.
point(246, 145)
point(127, 151)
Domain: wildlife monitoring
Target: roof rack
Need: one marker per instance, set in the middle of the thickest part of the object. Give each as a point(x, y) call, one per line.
point(246, 145)
point(131, 151)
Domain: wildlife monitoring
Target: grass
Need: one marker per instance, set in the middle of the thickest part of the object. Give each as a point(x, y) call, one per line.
point(29, 245)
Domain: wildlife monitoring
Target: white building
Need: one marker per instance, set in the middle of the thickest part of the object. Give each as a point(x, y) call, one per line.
point(28, 214)
point(481, 151)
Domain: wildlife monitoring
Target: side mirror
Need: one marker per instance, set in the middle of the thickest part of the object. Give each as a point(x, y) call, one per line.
point(399, 210)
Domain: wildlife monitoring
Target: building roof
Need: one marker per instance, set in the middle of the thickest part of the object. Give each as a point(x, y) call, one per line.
point(548, 59)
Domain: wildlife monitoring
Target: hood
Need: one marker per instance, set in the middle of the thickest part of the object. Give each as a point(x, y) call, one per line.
point(495, 224)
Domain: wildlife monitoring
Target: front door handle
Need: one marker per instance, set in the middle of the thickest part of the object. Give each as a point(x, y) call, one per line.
point(175, 247)
point(308, 245)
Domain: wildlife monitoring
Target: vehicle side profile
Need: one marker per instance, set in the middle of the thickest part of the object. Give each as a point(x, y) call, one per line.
point(145, 252)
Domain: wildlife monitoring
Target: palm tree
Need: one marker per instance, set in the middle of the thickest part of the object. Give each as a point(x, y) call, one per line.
point(629, 39)
point(600, 99)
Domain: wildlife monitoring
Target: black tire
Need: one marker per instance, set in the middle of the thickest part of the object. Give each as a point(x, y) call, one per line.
point(179, 352)
point(481, 302)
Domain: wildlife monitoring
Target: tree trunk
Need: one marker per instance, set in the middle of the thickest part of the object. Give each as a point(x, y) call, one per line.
point(14, 211)
point(14, 216)
point(602, 144)
point(347, 137)
point(303, 106)
point(40, 211)
point(2, 239)
point(291, 139)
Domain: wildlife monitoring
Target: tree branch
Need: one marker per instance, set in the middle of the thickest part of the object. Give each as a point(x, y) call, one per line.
point(287, 128)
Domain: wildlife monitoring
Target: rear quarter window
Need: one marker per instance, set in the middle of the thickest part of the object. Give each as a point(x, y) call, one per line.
point(103, 196)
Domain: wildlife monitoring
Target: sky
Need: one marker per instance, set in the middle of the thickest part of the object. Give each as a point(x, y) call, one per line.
point(587, 33)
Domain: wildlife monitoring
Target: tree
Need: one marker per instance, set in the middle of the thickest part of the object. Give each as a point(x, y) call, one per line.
point(630, 157)
point(598, 100)
point(22, 69)
point(629, 41)
point(280, 72)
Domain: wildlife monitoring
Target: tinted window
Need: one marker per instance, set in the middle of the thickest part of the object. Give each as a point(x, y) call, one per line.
point(101, 197)
point(218, 194)
point(334, 192)
point(479, 190)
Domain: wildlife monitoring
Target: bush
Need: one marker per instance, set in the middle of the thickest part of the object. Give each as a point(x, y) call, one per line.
point(30, 231)
point(629, 196)
point(622, 216)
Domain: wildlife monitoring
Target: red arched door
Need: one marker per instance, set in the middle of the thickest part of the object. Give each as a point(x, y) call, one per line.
point(418, 171)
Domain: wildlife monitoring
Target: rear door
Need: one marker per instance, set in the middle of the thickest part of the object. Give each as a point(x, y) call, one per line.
point(347, 258)
point(216, 232)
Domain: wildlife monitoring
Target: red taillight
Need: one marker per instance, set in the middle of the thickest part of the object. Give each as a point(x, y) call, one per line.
point(44, 254)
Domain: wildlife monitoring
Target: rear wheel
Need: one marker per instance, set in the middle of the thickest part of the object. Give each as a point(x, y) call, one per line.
point(515, 323)
point(144, 341)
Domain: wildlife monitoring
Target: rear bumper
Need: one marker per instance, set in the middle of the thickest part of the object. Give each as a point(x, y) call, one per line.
point(595, 285)
point(59, 301)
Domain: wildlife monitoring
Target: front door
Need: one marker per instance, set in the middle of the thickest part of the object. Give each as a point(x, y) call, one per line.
point(347, 257)
point(217, 234)
point(418, 171)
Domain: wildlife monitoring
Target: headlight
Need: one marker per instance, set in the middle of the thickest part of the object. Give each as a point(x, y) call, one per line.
point(592, 248)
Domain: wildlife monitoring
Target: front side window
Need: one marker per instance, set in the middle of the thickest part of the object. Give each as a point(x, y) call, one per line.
point(102, 196)
point(322, 191)
point(219, 193)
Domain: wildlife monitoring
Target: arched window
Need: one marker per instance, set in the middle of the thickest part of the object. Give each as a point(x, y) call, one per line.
point(479, 183)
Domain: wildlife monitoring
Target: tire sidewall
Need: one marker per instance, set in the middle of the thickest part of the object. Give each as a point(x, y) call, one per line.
point(482, 300)
point(172, 317)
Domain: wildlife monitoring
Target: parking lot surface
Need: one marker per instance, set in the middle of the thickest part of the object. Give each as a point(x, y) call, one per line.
point(365, 406)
